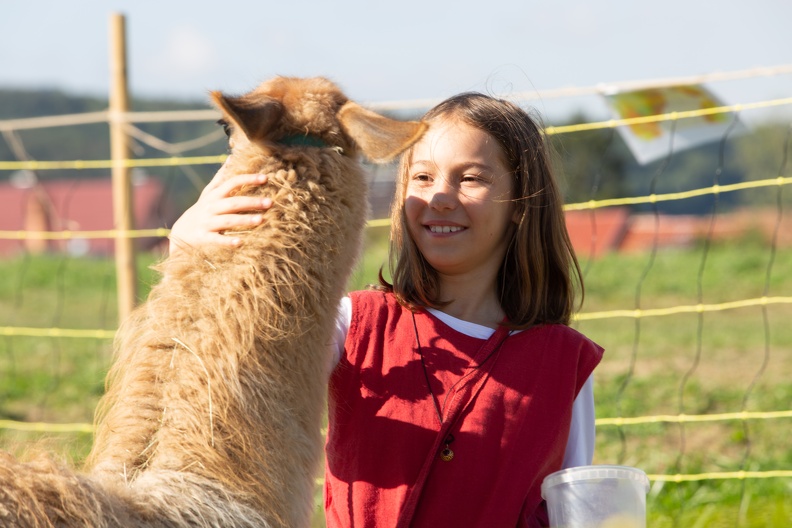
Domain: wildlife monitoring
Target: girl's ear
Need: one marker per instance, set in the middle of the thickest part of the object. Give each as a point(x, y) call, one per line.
point(380, 138)
point(517, 213)
point(255, 115)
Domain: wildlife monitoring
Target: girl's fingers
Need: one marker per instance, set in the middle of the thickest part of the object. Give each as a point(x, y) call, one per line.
point(216, 239)
point(233, 221)
point(218, 210)
point(238, 204)
point(228, 187)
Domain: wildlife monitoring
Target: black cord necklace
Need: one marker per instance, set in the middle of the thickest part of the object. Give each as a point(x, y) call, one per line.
point(446, 454)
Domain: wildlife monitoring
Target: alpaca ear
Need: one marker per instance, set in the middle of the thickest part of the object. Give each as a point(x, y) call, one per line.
point(380, 138)
point(254, 115)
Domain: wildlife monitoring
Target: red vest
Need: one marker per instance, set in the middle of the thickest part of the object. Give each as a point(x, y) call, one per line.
point(507, 401)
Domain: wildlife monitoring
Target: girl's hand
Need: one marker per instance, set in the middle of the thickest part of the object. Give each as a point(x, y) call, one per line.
point(217, 211)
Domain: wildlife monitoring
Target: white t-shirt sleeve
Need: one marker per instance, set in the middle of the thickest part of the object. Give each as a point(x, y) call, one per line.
point(343, 317)
point(580, 444)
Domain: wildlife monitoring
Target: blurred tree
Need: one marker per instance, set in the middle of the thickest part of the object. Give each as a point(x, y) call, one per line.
point(91, 142)
point(763, 154)
point(593, 163)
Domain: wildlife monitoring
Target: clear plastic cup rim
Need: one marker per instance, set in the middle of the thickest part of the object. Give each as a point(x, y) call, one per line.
point(597, 472)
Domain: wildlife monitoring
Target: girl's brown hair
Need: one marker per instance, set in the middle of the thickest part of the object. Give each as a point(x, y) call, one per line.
point(539, 276)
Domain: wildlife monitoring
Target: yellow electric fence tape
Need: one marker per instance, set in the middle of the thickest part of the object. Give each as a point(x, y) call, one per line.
point(208, 160)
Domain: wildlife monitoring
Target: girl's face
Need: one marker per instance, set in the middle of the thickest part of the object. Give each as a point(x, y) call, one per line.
point(458, 203)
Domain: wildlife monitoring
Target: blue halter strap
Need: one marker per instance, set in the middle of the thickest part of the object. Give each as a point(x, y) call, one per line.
point(303, 140)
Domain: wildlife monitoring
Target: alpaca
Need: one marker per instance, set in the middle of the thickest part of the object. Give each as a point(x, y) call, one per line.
point(214, 402)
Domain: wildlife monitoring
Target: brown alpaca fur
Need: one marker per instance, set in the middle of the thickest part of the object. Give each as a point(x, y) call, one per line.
point(214, 402)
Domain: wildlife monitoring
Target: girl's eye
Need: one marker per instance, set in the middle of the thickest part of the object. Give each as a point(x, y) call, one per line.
point(470, 178)
point(421, 177)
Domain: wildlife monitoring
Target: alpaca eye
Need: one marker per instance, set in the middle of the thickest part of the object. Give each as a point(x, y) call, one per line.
point(226, 126)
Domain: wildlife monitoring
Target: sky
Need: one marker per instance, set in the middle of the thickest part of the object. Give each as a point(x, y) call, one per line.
point(412, 49)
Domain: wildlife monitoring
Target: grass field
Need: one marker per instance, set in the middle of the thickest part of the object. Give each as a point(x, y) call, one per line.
point(696, 363)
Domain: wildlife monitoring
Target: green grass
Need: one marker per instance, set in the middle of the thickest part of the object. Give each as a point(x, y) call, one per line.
point(708, 363)
point(713, 362)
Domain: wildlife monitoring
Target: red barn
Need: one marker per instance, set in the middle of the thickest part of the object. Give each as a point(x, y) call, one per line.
point(77, 205)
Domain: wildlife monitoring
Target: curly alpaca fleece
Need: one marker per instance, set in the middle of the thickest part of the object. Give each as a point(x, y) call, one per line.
point(214, 402)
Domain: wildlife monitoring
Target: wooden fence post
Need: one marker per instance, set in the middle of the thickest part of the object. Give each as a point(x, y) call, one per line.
point(123, 219)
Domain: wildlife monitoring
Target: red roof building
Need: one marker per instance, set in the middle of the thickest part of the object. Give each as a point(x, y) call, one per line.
point(598, 231)
point(77, 205)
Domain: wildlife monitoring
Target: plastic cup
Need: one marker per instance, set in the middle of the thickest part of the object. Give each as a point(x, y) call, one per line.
point(596, 497)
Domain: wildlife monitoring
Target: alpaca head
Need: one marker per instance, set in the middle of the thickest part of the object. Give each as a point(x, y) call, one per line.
point(312, 112)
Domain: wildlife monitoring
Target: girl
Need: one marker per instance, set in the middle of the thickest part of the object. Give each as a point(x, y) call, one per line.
point(458, 387)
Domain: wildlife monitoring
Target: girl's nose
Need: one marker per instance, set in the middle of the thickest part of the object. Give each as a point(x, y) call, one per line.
point(443, 195)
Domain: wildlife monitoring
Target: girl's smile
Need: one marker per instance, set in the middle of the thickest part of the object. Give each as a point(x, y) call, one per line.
point(435, 228)
point(458, 201)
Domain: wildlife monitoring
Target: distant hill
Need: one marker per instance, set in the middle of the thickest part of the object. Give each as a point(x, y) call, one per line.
point(88, 139)
point(92, 142)
point(18, 102)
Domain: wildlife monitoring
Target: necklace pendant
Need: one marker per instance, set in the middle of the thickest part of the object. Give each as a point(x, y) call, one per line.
point(446, 454)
